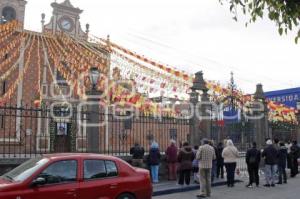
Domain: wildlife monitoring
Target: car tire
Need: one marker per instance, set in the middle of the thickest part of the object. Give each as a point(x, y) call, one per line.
point(126, 196)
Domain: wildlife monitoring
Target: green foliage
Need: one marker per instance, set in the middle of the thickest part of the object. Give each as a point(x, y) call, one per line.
point(285, 13)
point(283, 126)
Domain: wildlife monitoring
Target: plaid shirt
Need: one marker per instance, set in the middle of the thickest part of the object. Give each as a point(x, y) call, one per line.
point(206, 154)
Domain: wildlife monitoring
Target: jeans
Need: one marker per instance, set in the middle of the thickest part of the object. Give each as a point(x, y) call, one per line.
point(230, 169)
point(185, 176)
point(205, 182)
point(253, 174)
point(154, 173)
point(172, 170)
point(282, 173)
point(270, 174)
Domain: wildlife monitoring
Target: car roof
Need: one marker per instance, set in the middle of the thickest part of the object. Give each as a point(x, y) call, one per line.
point(61, 156)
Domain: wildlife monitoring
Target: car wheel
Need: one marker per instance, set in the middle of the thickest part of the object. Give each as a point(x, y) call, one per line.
point(126, 196)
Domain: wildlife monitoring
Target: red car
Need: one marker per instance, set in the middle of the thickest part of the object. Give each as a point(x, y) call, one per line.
point(76, 176)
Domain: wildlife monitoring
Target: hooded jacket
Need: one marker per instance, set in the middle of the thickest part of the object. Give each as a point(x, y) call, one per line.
point(230, 153)
point(185, 158)
point(282, 156)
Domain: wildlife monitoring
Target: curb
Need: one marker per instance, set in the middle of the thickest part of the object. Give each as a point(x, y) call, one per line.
point(185, 189)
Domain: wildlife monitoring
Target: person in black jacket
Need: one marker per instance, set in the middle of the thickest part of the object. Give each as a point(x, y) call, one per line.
point(282, 159)
point(253, 160)
point(270, 156)
point(137, 153)
point(295, 153)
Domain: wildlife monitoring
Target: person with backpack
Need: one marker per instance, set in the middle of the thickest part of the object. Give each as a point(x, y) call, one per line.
point(171, 156)
point(253, 161)
point(154, 161)
point(137, 153)
point(282, 160)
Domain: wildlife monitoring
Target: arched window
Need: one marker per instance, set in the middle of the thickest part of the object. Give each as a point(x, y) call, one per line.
point(9, 13)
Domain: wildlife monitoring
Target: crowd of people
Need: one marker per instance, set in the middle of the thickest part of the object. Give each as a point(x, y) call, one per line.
point(206, 162)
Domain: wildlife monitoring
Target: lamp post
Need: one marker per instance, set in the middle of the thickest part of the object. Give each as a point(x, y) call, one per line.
point(93, 130)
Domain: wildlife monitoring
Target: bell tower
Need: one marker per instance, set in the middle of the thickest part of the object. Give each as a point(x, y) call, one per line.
point(12, 10)
point(65, 18)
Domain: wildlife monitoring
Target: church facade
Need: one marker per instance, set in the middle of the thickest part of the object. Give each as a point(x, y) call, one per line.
point(45, 69)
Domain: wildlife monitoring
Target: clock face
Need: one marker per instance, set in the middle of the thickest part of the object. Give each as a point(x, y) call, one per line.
point(9, 13)
point(66, 24)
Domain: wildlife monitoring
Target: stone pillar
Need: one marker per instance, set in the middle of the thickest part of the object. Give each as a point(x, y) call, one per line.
point(206, 118)
point(261, 124)
point(93, 122)
point(200, 127)
point(194, 125)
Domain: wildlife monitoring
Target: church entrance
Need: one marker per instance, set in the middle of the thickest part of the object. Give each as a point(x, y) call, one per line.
point(62, 138)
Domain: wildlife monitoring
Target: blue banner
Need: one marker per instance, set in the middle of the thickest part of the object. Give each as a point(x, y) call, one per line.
point(288, 97)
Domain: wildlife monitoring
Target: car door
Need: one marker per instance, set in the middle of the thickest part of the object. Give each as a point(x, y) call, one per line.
point(100, 180)
point(61, 182)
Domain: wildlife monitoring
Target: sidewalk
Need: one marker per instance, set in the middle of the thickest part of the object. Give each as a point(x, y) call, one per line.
point(286, 191)
point(171, 187)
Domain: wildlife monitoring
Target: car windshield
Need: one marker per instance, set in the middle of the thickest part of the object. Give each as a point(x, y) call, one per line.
point(25, 170)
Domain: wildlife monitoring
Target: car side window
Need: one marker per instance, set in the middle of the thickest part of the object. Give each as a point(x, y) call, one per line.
point(98, 169)
point(111, 168)
point(94, 169)
point(60, 172)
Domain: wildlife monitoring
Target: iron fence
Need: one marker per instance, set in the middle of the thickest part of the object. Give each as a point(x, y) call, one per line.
point(28, 131)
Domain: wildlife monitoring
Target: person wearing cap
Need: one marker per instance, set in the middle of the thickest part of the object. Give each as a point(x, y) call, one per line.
point(270, 155)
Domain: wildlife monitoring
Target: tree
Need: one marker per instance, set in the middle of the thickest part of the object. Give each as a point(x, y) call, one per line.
point(285, 13)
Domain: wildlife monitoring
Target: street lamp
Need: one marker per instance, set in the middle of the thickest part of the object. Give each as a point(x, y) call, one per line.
point(94, 76)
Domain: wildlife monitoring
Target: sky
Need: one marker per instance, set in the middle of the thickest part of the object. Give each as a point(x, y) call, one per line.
point(191, 35)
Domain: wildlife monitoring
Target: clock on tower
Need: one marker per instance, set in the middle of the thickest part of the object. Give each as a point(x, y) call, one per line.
point(65, 19)
point(65, 23)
